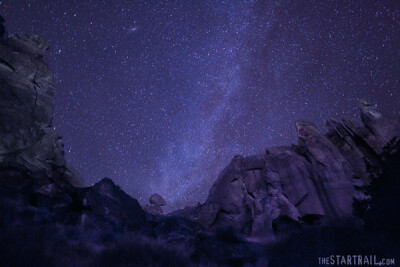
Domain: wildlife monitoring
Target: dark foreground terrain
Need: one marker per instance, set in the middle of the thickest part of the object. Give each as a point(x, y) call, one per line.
point(334, 193)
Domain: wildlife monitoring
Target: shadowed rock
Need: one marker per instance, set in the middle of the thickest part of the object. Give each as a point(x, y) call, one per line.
point(158, 200)
point(153, 209)
point(332, 174)
point(108, 200)
point(383, 127)
point(27, 138)
point(318, 178)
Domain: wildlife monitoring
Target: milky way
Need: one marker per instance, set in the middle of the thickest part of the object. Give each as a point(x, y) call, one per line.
point(159, 96)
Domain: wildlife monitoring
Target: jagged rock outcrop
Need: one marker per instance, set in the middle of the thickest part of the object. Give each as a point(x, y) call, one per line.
point(106, 199)
point(314, 181)
point(27, 138)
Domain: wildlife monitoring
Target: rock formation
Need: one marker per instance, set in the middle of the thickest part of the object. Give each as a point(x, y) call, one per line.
point(27, 138)
point(156, 202)
point(315, 180)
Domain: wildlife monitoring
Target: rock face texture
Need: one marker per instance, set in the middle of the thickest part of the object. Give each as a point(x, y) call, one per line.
point(27, 138)
point(313, 181)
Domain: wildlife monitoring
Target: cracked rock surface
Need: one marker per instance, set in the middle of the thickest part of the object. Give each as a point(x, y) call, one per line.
point(27, 137)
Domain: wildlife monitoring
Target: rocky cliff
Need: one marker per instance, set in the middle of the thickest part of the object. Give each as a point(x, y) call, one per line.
point(299, 191)
point(315, 181)
point(27, 139)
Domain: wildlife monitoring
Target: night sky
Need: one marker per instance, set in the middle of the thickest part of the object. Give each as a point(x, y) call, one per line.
point(160, 95)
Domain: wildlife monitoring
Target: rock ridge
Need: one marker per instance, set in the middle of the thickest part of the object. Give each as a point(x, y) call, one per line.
point(320, 177)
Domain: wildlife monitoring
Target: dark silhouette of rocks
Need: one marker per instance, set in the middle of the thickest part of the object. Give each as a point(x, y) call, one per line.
point(284, 207)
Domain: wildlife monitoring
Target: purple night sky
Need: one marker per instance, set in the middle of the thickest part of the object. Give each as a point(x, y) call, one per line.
point(160, 95)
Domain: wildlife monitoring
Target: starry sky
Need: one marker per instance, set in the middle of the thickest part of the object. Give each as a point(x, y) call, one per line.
point(160, 95)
